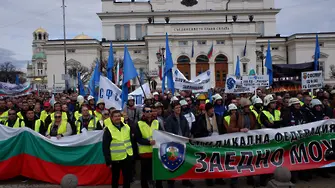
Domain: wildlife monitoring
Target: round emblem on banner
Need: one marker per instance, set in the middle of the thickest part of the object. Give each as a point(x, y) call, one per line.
point(231, 83)
point(176, 72)
point(208, 73)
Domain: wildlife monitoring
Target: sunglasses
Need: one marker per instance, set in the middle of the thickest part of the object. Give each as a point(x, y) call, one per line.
point(148, 111)
point(58, 116)
point(11, 114)
point(106, 114)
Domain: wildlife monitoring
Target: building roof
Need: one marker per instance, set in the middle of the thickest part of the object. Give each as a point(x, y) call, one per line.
point(40, 30)
point(39, 55)
point(82, 36)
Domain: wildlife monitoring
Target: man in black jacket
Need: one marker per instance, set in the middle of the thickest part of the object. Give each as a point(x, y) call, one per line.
point(177, 124)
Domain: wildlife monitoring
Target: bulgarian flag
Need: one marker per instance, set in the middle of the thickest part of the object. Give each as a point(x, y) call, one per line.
point(27, 153)
point(210, 52)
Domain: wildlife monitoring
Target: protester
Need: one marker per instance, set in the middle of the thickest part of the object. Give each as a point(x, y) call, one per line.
point(59, 127)
point(34, 123)
point(13, 120)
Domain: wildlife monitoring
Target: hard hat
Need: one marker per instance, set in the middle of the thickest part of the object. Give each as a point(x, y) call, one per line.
point(245, 102)
point(176, 94)
point(90, 97)
point(100, 101)
point(332, 92)
point(315, 102)
point(216, 97)
point(174, 98)
point(268, 99)
point(201, 97)
point(158, 104)
point(155, 93)
point(183, 103)
point(130, 98)
point(258, 101)
point(232, 107)
point(253, 98)
point(149, 97)
point(80, 99)
point(293, 101)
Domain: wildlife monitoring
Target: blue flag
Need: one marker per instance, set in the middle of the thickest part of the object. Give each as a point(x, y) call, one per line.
point(168, 68)
point(17, 80)
point(129, 72)
point(268, 64)
point(210, 95)
point(94, 81)
point(110, 63)
point(237, 69)
point(81, 88)
point(316, 53)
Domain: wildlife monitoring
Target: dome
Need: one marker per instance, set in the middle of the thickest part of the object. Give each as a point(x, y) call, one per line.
point(40, 30)
point(39, 55)
point(82, 36)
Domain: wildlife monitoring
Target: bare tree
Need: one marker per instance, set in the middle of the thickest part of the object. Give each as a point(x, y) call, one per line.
point(84, 71)
point(8, 72)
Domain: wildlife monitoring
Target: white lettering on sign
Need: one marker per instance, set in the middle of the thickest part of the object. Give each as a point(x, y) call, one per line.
point(311, 80)
point(201, 29)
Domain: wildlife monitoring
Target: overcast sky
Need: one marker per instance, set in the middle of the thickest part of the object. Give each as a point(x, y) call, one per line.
point(18, 20)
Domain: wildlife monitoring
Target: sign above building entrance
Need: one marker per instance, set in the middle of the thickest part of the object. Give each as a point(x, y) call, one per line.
point(215, 28)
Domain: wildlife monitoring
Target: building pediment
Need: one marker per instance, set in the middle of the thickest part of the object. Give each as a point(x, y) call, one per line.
point(322, 55)
point(72, 62)
point(278, 58)
point(244, 60)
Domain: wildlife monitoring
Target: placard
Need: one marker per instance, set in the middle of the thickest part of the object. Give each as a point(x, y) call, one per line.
point(255, 81)
point(311, 80)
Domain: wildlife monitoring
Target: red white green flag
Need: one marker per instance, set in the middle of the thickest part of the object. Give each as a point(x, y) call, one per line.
point(302, 147)
point(210, 52)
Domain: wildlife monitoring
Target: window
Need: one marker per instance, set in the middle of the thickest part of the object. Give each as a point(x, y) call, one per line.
point(182, 43)
point(118, 32)
point(244, 68)
point(275, 48)
point(137, 51)
point(71, 50)
point(139, 34)
point(126, 31)
point(220, 42)
point(201, 42)
point(40, 66)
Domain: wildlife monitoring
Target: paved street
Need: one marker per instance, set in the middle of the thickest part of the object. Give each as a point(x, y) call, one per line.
point(316, 182)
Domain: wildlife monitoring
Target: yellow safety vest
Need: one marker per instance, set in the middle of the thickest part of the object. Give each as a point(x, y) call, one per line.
point(77, 115)
point(256, 113)
point(37, 125)
point(61, 129)
point(120, 145)
point(44, 115)
point(270, 116)
point(227, 119)
point(92, 125)
point(98, 115)
point(146, 132)
point(4, 116)
point(207, 101)
point(18, 123)
point(64, 116)
point(251, 107)
point(301, 103)
point(19, 114)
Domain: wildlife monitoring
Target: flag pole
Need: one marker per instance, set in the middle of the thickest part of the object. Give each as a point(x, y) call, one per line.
point(138, 78)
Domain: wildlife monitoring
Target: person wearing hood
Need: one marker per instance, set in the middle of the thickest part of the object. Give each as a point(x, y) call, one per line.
point(99, 109)
point(219, 107)
point(186, 111)
point(134, 113)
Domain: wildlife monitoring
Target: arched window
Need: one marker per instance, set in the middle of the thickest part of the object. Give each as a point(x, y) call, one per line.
point(39, 36)
point(183, 59)
point(44, 36)
point(202, 59)
point(221, 59)
point(35, 36)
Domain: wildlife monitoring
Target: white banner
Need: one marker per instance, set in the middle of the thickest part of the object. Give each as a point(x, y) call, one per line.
point(255, 81)
point(234, 85)
point(200, 84)
point(138, 93)
point(110, 93)
point(311, 80)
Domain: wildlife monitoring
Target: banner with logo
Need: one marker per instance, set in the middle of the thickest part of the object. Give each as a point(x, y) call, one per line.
point(110, 93)
point(255, 81)
point(138, 93)
point(200, 84)
point(311, 80)
point(8, 89)
point(260, 151)
point(234, 85)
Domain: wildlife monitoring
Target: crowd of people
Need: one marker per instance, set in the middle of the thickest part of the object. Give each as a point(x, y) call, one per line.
point(128, 132)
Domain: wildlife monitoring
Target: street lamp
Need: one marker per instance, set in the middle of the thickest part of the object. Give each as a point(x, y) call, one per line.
point(260, 55)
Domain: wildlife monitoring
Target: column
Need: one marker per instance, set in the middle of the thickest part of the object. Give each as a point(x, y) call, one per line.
point(132, 32)
point(212, 69)
point(193, 70)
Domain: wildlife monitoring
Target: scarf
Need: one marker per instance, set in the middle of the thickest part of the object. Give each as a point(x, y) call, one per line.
point(214, 127)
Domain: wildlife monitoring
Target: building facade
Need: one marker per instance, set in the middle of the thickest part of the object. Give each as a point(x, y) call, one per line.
point(229, 28)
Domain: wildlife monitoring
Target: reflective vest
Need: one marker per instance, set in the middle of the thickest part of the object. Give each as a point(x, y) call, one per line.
point(146, 132)
point(120, 145)
point(256, 113)
point(18, 123)
point(98, 115)
point(4, 116)
point(270, 117)
point(207, 101)
point(19, 114)
point(77, 115)
point(61, 128)
point(64, 116)
point(37, 125)
point(92, 125)
point(301, 103)
point(44, 115)
point(227, 119)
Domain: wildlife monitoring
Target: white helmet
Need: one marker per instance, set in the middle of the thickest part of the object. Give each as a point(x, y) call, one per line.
point(315, 102)
point(149, 97)
point(216, 97)
point(183, 103)
point(130, 98)
point(176, 94)
point(268, 99)
point(232, 107)
point(80, 99)
point(257, 101)
point(174, 98)
point(253, 98)
point(155, 93)
point(293, 101)
point(90, 97)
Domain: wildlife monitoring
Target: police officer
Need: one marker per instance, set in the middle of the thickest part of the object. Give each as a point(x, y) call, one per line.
point(117, 149)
